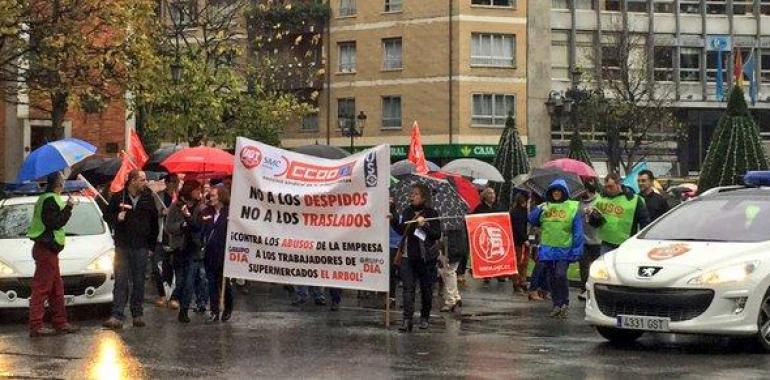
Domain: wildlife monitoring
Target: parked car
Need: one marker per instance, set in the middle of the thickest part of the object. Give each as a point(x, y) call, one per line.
point(702, 268)
point(85, 263)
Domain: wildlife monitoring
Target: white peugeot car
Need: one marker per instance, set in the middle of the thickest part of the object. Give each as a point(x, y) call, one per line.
point(85, 263)
point(703, 268)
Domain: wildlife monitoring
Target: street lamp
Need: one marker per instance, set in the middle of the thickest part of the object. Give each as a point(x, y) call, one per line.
point(353, 128)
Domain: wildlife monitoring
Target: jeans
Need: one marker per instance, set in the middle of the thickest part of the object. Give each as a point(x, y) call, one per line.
point(46, 285)
point(130, 267)
point(538, 280)
point(301, 292)
point(412, 271)
point(200, 284)
point(336, 295)
point(185, 278)
point(162, 270)
point(393, 273)
point(590, 253)
point(449, 275)
point(214, 275)
point(556, 272)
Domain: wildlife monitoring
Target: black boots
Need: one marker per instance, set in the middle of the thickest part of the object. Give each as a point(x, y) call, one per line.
point(213, 318)
point(406, 325)
point(424, 323)
point(183, 318)
point(226, 315)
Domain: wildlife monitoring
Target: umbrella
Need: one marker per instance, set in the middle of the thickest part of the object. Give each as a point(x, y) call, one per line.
point(572, 166)
point(407, 167)
point(89, 164)
point(465, 188)
point(104, 173)
point(160, 155)
point(322, 151)
point(471, 167)
point(541, 178)
point(446, 200)
point(202, 159)
point(53, 157)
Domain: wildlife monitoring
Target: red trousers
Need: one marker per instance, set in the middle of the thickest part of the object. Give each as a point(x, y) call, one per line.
point(46, 285)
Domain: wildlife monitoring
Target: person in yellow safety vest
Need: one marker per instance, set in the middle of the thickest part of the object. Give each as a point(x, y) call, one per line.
point(561, 241)
point(47, 231)
point(618, 214)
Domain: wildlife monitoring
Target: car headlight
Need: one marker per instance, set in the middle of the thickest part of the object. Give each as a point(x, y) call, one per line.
point(103, 263)
point(5, 269)
point(599, 271)
point(733, 273)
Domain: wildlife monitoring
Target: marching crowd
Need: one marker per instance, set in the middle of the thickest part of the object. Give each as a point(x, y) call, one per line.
point(181, 233)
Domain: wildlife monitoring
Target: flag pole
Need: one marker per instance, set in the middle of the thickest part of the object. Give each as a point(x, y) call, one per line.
point(98, 194)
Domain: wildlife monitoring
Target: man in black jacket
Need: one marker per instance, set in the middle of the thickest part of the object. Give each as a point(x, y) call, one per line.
point(489, 205)
point(134, 220)
point(656, 203)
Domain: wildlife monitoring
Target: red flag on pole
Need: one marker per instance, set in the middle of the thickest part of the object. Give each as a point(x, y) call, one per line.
point(416, 154)
point(122, 175)
point(136, 150)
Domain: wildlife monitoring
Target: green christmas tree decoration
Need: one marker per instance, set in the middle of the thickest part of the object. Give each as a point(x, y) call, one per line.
point(576, 149)
point(735, 148)
point(511, 160)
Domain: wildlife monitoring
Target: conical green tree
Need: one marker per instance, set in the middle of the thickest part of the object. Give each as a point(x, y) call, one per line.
point(511, 160)
point(735, 148)
point(577, 151)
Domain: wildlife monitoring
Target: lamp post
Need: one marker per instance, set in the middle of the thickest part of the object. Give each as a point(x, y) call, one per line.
point(353, 127)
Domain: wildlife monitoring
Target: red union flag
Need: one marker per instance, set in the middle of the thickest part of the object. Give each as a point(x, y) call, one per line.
point(416, 154)
point(490, 239)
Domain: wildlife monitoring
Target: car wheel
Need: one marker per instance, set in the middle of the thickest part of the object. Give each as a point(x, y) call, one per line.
point(618, 336)
point(763, 323)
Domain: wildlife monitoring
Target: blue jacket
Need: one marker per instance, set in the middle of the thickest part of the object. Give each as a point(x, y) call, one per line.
point(548, 253)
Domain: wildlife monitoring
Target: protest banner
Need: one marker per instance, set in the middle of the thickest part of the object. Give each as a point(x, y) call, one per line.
point(297, 219)
point(490, 239)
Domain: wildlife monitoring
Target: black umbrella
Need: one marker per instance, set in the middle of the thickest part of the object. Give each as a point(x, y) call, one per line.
point(446, 200)
point(86, 166)
point(542, 178)
point(323, 151)
point(160, 155)
point(105, 172)
point(407, 167)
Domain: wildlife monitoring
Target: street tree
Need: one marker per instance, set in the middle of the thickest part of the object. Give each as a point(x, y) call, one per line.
point(633, 113)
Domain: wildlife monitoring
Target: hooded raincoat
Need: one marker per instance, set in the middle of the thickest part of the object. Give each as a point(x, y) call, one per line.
point(551, 253)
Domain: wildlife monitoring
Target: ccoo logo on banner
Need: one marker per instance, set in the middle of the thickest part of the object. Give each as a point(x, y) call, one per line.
point(491, 244)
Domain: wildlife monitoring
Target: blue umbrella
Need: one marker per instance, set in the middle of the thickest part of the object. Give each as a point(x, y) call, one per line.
point(53, 157)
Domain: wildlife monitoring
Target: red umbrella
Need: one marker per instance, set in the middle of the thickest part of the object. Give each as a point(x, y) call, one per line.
point(464, 187)
point(200, 159)
point(572, 166)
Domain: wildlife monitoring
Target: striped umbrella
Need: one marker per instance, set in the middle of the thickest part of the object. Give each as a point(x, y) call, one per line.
point(53, 157)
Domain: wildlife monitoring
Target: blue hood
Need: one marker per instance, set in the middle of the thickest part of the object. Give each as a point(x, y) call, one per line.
point(557, 184)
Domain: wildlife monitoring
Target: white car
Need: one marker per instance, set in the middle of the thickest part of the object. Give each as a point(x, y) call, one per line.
point(85, 263)
point(703, 268)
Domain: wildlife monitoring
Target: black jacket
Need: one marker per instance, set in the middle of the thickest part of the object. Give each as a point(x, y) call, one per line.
point(656, 205)
point(484, 208)
point(215, 239)
point(431, 228)
point(53, 219)
point(140, 228)
point(519, 217)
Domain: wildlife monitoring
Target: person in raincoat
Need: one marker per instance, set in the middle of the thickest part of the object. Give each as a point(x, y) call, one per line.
point(561, 242)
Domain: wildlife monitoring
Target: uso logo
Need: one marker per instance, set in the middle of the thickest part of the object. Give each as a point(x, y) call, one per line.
point(304, 172)
point(251, 157)
point(490, 240)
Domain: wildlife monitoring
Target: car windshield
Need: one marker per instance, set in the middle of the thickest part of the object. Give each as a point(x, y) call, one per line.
point(741, 219)
point(15, 219)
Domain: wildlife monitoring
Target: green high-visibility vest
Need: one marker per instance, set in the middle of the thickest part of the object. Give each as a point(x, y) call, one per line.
point(556, 223)
point(36, 228)
point(618, 213)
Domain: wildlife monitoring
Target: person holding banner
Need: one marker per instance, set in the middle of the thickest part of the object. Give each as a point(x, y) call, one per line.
point(214, 240)
point(488, 205)
point(561, 241)
point(422, 231)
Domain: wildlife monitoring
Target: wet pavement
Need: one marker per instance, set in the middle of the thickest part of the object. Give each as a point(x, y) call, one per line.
point(497, 336)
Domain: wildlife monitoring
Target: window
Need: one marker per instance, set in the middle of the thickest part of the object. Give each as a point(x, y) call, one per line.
point(346, 113)
point(492, 109)
point(663, 6)
point(765, 64)
point(711, 66)
point(716, 7)
point(347, 8)
point(347, 57)
point(764, 7)
point(393, 5)
point(559, 54)
point(743, 7)
point(612, 5)
point(183, 12)
point(664, 63)
point(689, 65)
point(555, 4)
point(15, 220)
point(494, 3)
point(391, 112)
point(493, 50)
point(637, 6)
point(611, 62)
point(391, 54)
point(689, 6)
point(309, 122)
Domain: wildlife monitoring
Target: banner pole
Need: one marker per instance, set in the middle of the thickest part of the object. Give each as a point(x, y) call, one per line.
point(387, 309)
point(222, 293)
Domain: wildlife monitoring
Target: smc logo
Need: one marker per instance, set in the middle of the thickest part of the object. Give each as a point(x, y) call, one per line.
point(251, 157)
point(276, 165)
point(301, 171)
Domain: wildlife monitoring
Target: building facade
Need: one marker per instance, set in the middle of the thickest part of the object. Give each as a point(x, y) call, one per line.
point(456, 67)
point(681, 39)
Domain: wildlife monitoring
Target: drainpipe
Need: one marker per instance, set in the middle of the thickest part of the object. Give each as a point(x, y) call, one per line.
point(451, 93)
